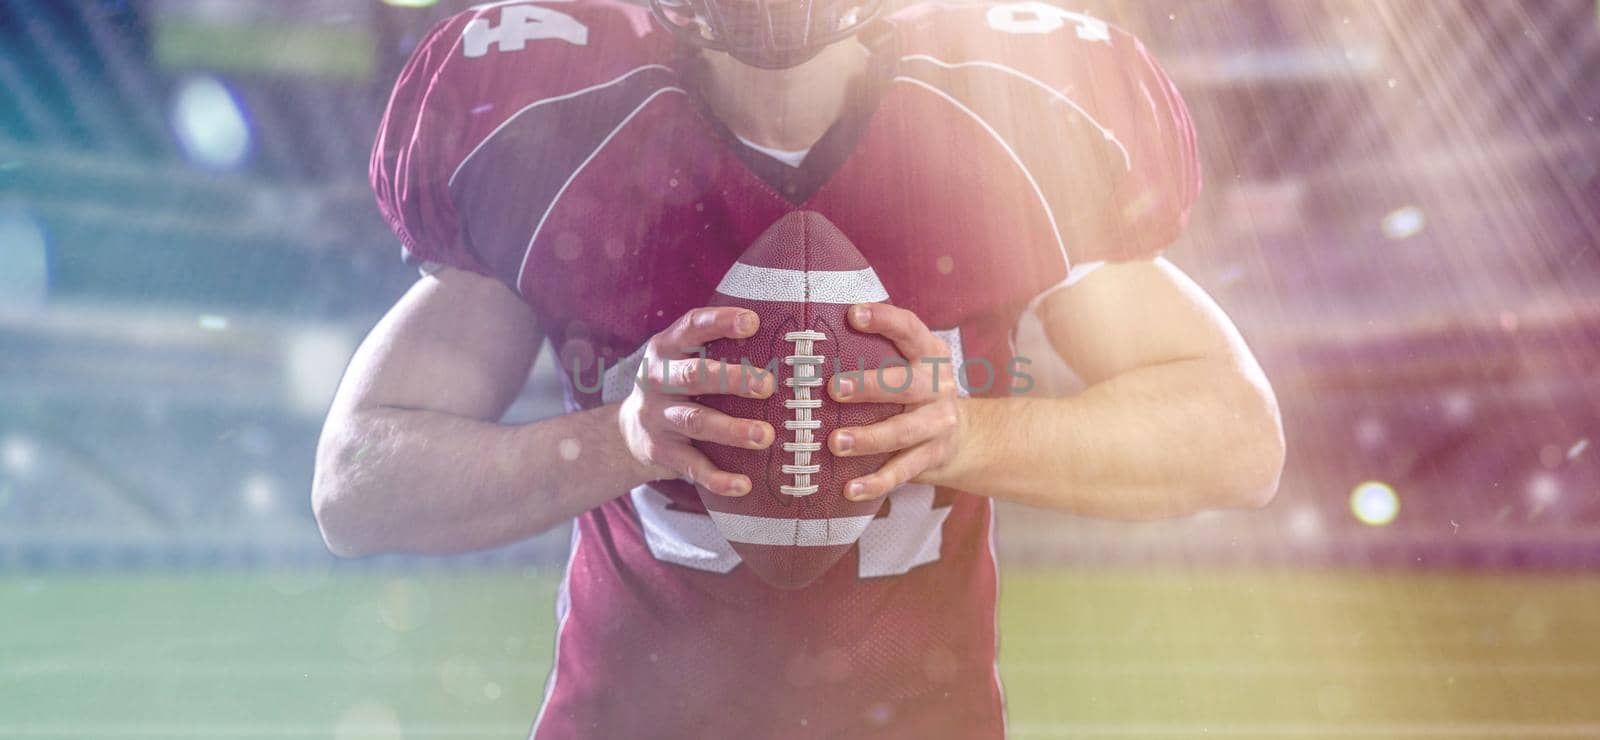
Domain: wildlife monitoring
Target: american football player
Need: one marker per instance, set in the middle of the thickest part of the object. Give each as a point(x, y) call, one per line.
point(583, 172)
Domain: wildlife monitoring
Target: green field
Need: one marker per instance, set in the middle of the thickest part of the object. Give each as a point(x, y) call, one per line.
point(1085, 654)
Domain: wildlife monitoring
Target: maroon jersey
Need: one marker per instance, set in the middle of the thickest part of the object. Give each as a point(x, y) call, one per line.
point(991, 154)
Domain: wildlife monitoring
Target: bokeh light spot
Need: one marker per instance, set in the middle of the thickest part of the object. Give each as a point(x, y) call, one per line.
point(210, 123)
point(1543, 490)
point(1458, 406)
point(1305, 523)
point(1404, 223)
point(1374, 503)
point(19, 455)
point(259, 492)
point(1371, 433)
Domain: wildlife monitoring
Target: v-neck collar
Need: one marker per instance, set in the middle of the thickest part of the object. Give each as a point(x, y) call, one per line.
point(798, 184)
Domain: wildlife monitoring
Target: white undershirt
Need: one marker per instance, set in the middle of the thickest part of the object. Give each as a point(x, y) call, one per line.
point(791, 157)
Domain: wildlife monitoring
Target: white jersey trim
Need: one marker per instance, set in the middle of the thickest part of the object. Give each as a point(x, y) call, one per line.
point(791, 157)
point(681, 537)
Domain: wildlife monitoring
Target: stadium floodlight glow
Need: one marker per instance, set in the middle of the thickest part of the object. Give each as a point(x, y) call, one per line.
point(1374, 503)
point(210, 123)
point(1404, 223)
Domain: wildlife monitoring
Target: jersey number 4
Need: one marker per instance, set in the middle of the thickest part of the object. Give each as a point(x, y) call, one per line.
point(519, 24)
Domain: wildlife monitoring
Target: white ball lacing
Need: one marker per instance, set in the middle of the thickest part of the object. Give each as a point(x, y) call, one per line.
point(802, 380)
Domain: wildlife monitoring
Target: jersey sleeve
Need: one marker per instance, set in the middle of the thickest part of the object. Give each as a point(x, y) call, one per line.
point(1100, 129)
point(486, 114)
point(413, 155)
point(1148, 179)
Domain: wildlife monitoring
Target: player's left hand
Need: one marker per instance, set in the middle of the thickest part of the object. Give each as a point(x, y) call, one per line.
point(923, 437)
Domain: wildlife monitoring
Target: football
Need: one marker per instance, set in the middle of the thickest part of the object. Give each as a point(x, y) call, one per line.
point(800, 276)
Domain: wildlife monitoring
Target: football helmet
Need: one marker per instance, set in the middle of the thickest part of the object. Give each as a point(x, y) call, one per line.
point(770, 34)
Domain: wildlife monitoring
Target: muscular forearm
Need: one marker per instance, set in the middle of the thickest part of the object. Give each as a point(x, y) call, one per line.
point(401, 480)
point(1159, 441)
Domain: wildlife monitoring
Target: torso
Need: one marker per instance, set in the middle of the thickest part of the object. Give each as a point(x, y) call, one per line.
point(679, 611)
point(613, 228)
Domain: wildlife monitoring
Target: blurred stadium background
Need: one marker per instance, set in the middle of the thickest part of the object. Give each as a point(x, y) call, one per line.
point(1402, 214)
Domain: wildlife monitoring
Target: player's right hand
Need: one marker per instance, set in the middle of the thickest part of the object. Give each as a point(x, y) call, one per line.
point(660, 419)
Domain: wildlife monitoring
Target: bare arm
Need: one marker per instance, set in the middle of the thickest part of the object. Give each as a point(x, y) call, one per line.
point(412, 458)
point(1178, 416)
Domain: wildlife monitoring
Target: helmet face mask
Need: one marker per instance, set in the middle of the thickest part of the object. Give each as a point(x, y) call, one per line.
point(770, 34)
